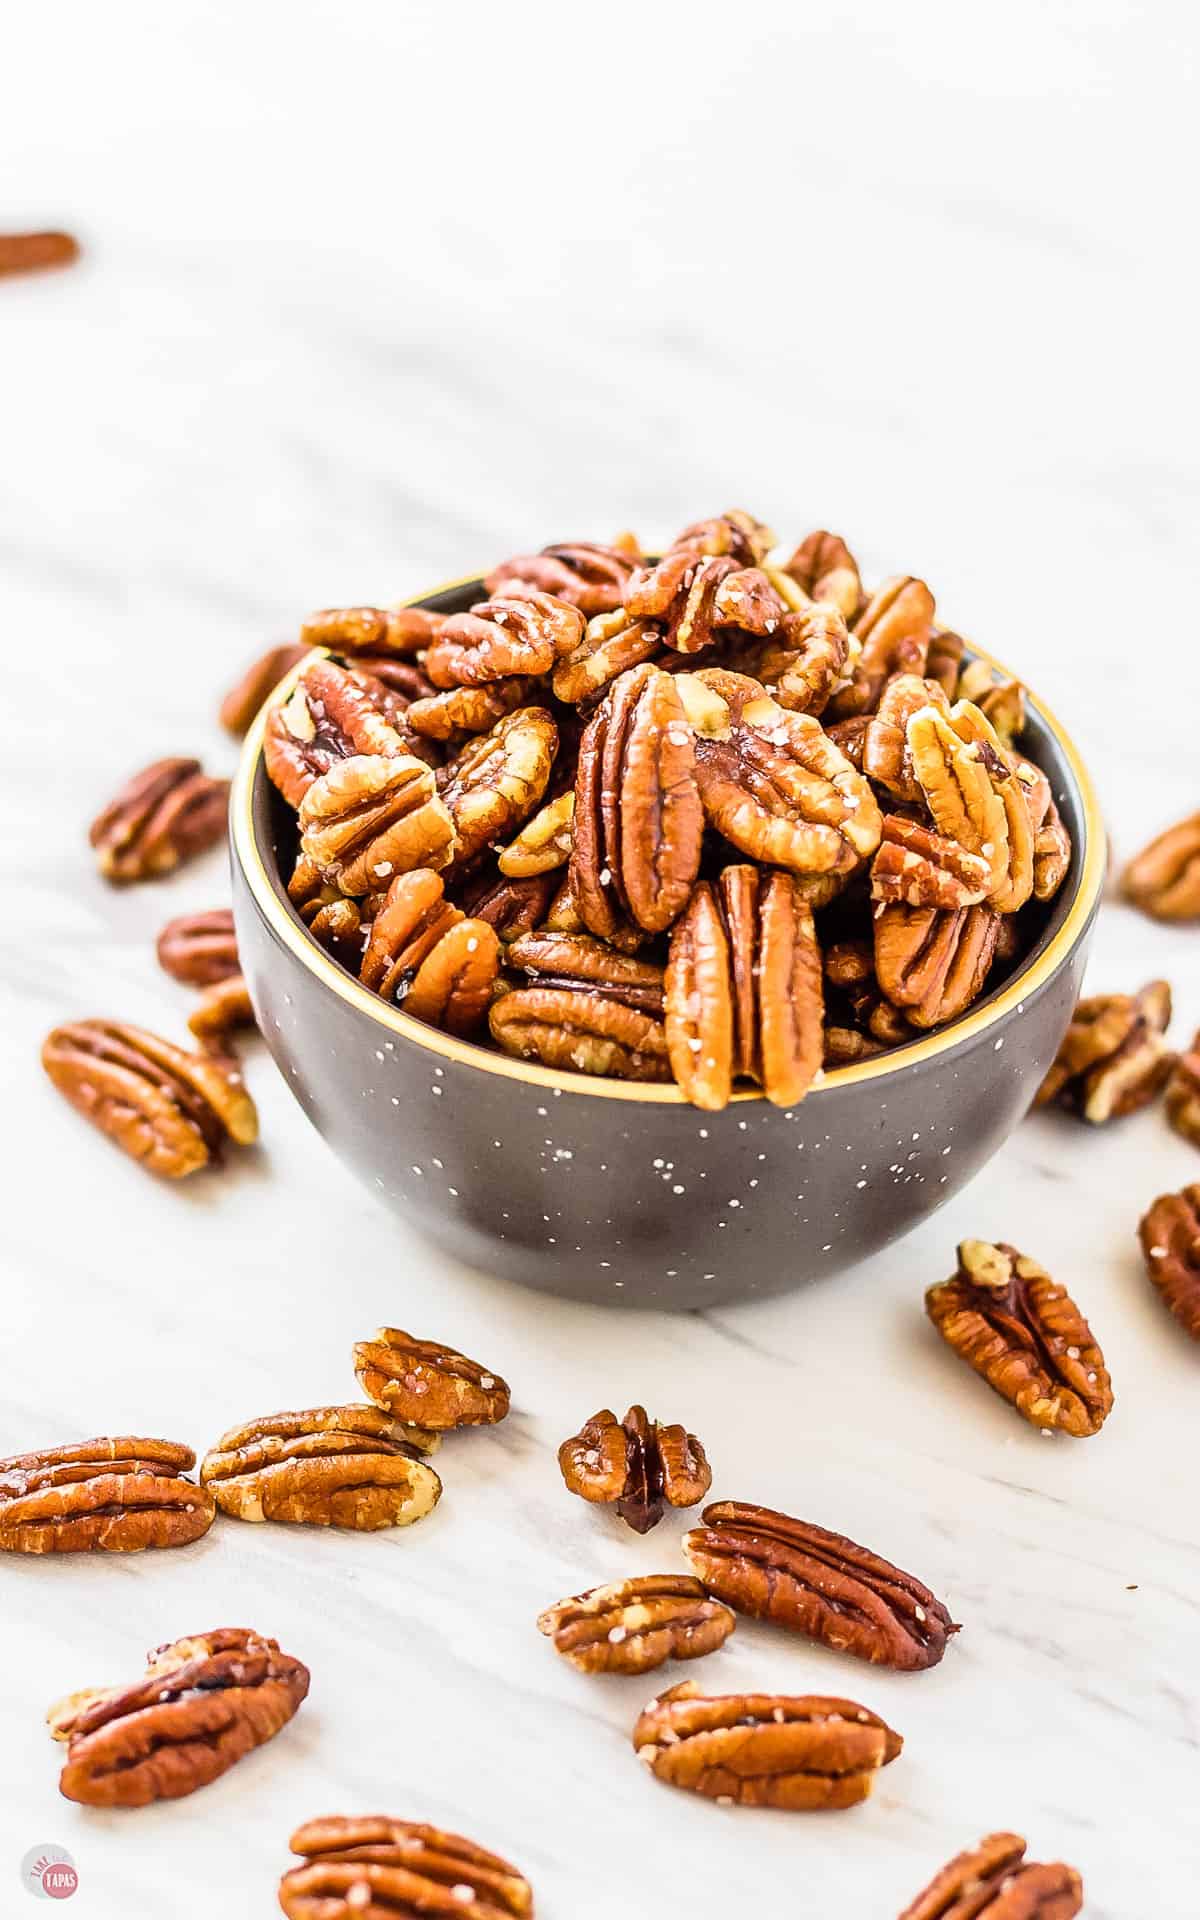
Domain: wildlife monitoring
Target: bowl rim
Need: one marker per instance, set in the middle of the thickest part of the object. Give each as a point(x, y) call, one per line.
point(295, 936)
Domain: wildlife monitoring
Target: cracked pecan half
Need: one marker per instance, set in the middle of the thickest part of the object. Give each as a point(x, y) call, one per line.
point(222, 1009)
point(932, 962)
point(164, 815)
point(257, 684)
point(994, 1881)
point(819, 1584)
point(1183, 1094)
point(824, 568)
point(1011, 1322)
point(501, 637)
point(611, 644)
point(580, 1031)
point(102, 1496)
point(585, 575)
point(893, 632)
point(803, 1753)
point(637, 1624)
point(1113, 1059)
point(332, 714)
point(580, 964)
point(427, 1383)
point(392, 632)
point(371, 1865)
point(351, 1467)
point(544, 842)
point(202, 1704)
point(199, 948)
point(170, 1110)
point(1164, 878)
point(743, 990)
point(635, 1465)
point(922, 868)
point(425, 955)
point(886, 758)
point(374, 815)
point(1170, 1237)
point(497, 780)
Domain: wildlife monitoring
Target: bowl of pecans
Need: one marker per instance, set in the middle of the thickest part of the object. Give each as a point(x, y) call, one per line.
point(661, 930)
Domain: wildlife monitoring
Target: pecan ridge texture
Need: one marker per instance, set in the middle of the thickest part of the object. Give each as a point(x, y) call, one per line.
point(635, 1465)
point(1183, 1094)
point(375, 1866)
point(106, 1496)
point(1164, 879)
point(637, 1624)
point(1170, 1237)
point(163, 816)
point(199, 948)
point(427, 1383)
point(351, 1467)
point(994, 1881)
point(1114, 1058)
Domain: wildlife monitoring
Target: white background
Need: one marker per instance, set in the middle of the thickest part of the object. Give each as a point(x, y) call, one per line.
point(372, 296)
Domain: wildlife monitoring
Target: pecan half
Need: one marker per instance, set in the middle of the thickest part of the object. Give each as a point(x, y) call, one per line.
point(428, 1383)
point(817, 1583)
point(580, 964)
point(1170, 1237)
point(804, 661)
point(580, 1031)
point(374, 815)
point(1183, 1094)
point(923, 868)
point(220, 1011)
point(637, 1624)
point(955, 776)
point(513, 907)
point(611, 643)
point(202, 1704)
point(934, 962)
point(1025, 1335)
point(170, 1110)
point(1001, 701)
point(326, 1467)
point(34, 252)
point(498, 779)
point(1113, 1058)
point(332, 714)
point(199, 948)
point(373, 1866)
point(398, 631)
point(503, 636)
point(424, 954)
point(257, 684)
point(459, 711)
point(590, 577)
point(103, 1496)
point(544, 842)
point(1016, 881)
point(825, 569)
point(736, 533)
point(893, 632)
point(635, 1465)
point(886, 757)
point(1051, 853)
point(943, 662)
point(1164, 878)
point(804, 1753)
point(693, 595)
point(165, 815)
point(994, 1881)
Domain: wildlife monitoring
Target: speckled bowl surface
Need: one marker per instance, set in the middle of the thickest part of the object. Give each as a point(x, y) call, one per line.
point(601, 1191)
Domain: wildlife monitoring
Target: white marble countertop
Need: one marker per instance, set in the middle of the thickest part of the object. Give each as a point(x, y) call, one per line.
point(371, 296)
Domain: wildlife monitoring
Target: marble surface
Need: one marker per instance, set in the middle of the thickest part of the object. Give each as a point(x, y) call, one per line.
point(371, 296)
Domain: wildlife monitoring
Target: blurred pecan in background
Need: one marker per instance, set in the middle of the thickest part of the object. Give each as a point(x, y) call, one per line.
point(497, 780)
point(637, 1624)
point(199, 948)
point(170, 1110)
point(1164, 879)
point(1183, 1094)
point(34, 252)
point(374, 1866)
point(221, 1011)
point(169, 812)
point(994, 1881)
point(804, 1753)
point(581, 1030)
point(817, 1583)
point(1113, 1058)
point(501, 637)
point(427, 1383)
point(635, 1465)
point(202, 1703)
point(326, 1467)
point(1025, 1335)
point(893, 632)
point(396, 631)
point(585, 575)
point(1170, 1237)
point(259, 681)
point(825, 569)
point(104, 1496)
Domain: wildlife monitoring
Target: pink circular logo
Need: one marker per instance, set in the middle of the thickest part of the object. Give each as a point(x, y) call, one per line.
point(48, 1873)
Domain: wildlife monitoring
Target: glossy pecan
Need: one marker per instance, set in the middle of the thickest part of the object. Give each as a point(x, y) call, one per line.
point(803, 1753)
point(339, 924)
point(819, 1584)
point(424, 954)
point(461, 711)
point(956, 778)
point(388, 631)
point(578, 963)
point(348, 1467)
point(694, 596)
point(331, 715)
point(497, 780)
point(257, 684)
point(803, 661)
point(886, 758)
point(635, 1465)
point(427, 1383)
point(1025, 1335)
point(638, 823)
point(374, 815)
point(934, 962)
point(994, 1881)
point(544, 842)
point(611, 643)
point(164, 815)
point(1017, 855)
point(943, 662)
point(893, 632)
point(199, 948)
point(103, 1496)
point(1113, 1058)
point(637, 1624)
point(735, 533)
point(222, 1010)
point(1051, 854)
point(1001, 701)
point(825, 569)
point(1164, 878)
point(373, 1866)
point(743, 990)
point(34, 252)
point(923, 868)
point(513, 907)
point(503, 636)
point(1183, 1094)
point(585, 575)
point(580, 1031)
point(1170, 1237)
point(170, 1110)
point(201, 1705)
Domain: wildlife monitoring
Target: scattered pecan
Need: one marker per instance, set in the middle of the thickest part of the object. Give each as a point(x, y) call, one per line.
point(104, 1496)
point(803, 1753)
point(1183, 1094)
point(611, 643)
point(1025, 1335)
point(373, 1866)
point(389, 631)
point(513, 907)
point(637, 1624)
point(498, 779)
point(817, 1583)
point(460, 711)
point(201, 1705)
point(580, 1031)
point(326, 1467)
point(503, 636)
point(886, 758)
point(893, 631)
point(923, 868)
point(544, 842)
point(428, 1383)
point(1113, 1058)
point(332, 714)
point(1164, 878)
point(590, 577)
point(199, 948)
point(994, 1881)
point(578, 963)
point(220, 1011)
point(825, 569)
point(932, 962)
point(165, 815)
point(34, 252)
point(374, 815)
point(171, 1110)
point(257, 684)
point(1170, 1237)
point(635, 1465)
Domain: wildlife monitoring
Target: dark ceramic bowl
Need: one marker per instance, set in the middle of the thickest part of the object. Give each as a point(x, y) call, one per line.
point(604, 1191)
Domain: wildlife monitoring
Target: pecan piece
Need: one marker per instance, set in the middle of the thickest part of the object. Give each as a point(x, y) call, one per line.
point(693, 595)
point(1183, 1094)
point(423, 953)
point(163, 816)
point(388, 631)
point(585, 575)
point(819, 1584)
point(374, 1866)
point(544, 842)
point(374, 815)
point(220, 1011)
point(578, 963)
point(171, 1110)
point(426, 1382)
point(611, 643)
point(893, 632)
point(825, 569)
point(943, 662)
point(635, 1465)
point(736, 533)
point(803, 1753)
point(467, 710)
point(256, 685)
point(804, 661)
point(202, 1704)
point(886, 757)
point(348, 1467)
point(1170, 1237)
point(103, 1496)
point(1051, 852)
point(637, 1624)
point(934, 962)
point(513, 907)
point(498, 779)
point(994, 1881)
point(34, 252)
point(926, 869)
point(503, 636)
point(1164, 878)
point(580, 1031)
point(199, 948)
point(1002, 702)
point(332, 714)
point(1113, 1058)
point(1025, 1335)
